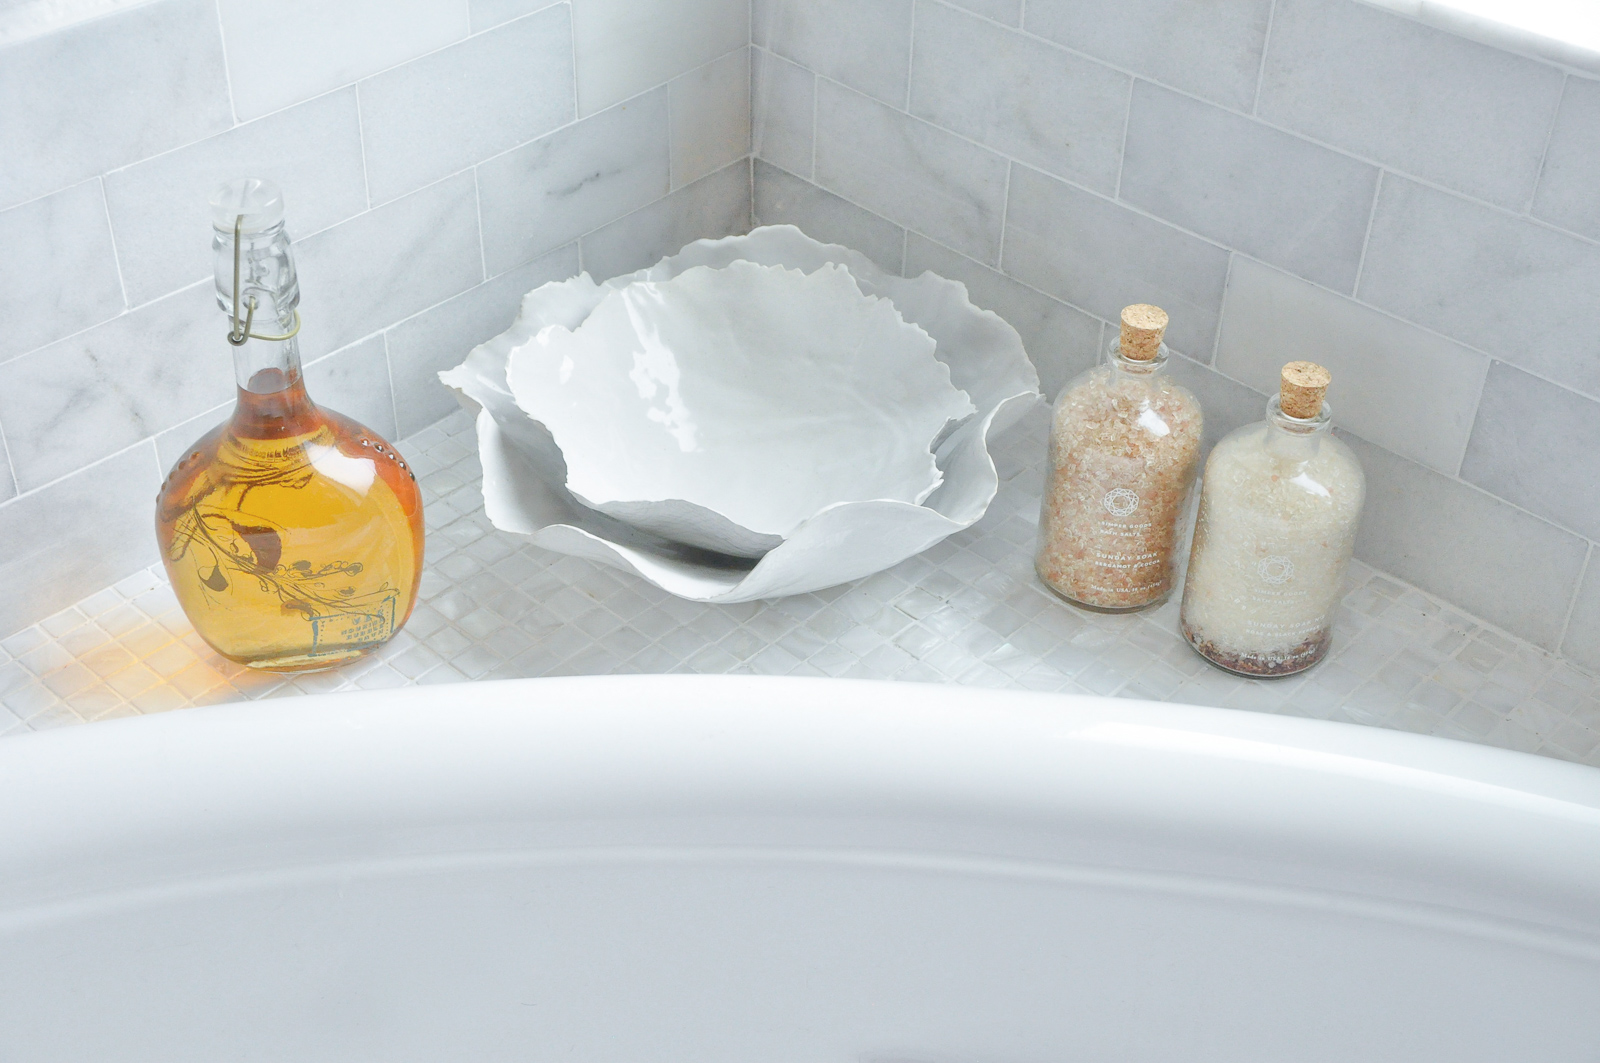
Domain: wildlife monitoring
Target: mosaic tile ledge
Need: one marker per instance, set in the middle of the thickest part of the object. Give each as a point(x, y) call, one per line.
point(967, 611)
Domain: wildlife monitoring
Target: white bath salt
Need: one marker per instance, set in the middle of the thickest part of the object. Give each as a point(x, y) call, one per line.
point(1279, 507)
point(1124, 444)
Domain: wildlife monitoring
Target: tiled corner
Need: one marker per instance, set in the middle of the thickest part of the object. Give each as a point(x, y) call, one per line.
point(712, 207)
point(709, 111)
point(784, 199)
point(865, 44)
point(910, 171)
point(783, 105)
point(967, 611)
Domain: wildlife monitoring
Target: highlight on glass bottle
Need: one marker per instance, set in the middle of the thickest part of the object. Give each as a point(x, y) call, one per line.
point(292, 535)
point(1278, 513)
point(1124, 444)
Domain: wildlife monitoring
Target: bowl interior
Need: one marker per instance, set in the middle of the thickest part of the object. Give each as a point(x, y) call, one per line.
point(760, 393)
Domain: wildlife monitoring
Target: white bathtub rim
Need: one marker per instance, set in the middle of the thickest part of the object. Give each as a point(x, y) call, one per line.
point(67, 839)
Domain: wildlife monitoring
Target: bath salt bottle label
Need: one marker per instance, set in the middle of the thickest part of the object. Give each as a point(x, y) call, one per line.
point(1110, 547)
point(1290, 603)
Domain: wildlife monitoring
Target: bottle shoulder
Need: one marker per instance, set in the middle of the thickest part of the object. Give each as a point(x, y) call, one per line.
point(1245, 469)
point(332, 459)
point(1153, 405)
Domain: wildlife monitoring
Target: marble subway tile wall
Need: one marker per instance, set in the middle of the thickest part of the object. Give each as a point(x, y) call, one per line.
point(439, 158)
point(1292, 179)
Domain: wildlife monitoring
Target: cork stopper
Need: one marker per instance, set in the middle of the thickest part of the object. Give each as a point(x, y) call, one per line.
point(1142, 326)
point(1302, 388)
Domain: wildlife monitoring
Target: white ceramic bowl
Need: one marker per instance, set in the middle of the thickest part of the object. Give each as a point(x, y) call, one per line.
point(525, 472)
point(723, 408)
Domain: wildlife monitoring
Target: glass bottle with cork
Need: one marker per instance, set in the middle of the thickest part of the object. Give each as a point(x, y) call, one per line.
point(292, 535)
point(1278, 513)
point(1124, 444)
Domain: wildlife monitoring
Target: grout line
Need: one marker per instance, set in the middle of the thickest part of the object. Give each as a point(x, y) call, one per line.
point(394, 393)
point(227, 70)
point(1089, 313)
point(360, 136)
point(1549, 138)
point(1261, 67)
point(816, 83)
point(477, 200)
point(1572, 606)
point(116, 255)
point(1122, 153)
point(141, 441)
point(1477, 404)
point(672, 174)
point(11, 466)
point(911, 53)
point(1366, 237)
point(1222, 310)
point(572, 43)
point(1346, 152)
point(1005, 221)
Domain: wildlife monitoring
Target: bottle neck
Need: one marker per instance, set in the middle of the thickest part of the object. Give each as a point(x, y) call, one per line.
point(257, 287)
point(1134, 368)
point(1296, 438)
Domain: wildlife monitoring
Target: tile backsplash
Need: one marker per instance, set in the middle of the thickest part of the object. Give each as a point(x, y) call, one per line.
point(1290, 178)
point(438, 158)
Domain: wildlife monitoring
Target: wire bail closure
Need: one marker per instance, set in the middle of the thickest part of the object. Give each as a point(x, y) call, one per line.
point(240, 334)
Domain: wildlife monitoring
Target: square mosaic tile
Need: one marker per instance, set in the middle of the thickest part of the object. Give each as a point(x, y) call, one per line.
point(969, 611)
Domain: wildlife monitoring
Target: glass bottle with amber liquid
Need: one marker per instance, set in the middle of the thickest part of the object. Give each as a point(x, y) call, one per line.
point(292, 535)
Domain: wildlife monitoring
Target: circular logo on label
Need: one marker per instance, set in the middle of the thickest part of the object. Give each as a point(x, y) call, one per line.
point(1275, 569)
point(1120, 502)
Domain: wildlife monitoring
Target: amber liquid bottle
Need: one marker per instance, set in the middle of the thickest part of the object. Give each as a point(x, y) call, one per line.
point(292, 535)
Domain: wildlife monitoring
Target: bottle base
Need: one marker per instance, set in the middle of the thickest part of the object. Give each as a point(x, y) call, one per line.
point(1160, 599)
point(1238, 664)
point(300, 663)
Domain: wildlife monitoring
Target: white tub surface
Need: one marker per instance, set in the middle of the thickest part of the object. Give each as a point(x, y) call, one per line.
point(746, 870)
